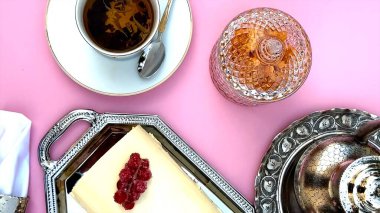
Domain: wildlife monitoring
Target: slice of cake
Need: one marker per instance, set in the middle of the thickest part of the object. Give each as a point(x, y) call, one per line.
point(168, 190)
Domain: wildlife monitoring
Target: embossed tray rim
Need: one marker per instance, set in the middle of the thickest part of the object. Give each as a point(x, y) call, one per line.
point(98, 121)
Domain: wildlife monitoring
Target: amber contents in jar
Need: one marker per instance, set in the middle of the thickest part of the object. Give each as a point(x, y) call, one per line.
point(259, 58)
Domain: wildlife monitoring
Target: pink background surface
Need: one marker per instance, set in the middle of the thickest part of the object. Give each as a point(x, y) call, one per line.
point(345, 38)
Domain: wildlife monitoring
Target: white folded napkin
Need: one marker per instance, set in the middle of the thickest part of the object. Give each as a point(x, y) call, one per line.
point(14, 154)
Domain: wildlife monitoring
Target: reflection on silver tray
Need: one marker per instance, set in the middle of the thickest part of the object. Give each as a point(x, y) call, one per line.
point(360, 185)
point(274, 183)
point(60, 174)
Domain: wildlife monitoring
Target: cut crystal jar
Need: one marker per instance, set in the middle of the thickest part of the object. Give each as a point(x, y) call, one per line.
point(262, 56)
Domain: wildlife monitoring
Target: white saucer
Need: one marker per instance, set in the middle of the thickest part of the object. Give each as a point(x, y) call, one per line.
point(106, 75)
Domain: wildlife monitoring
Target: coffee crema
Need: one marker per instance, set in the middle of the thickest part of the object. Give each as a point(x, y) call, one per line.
point(118, 25)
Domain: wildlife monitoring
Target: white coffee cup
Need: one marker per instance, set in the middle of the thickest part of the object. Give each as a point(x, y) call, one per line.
point(79, 10)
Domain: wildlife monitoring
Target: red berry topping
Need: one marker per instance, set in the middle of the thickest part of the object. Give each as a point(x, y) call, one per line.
point(135, 157)
point(133, 164)
point(145, 163)
point(125, 174)
point(134, 196)
point(128, 206)
point(140, 186)
point(129, 198)
point(122, 185)
point(145, 174)
point(120, 196)
point(132, 181)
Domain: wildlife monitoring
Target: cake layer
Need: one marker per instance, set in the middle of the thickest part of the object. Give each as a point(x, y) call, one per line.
point(169, 189)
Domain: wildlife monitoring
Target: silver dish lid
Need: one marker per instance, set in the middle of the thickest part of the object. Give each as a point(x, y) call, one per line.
point(320, 168)
point(359, 186)
point(351, 133)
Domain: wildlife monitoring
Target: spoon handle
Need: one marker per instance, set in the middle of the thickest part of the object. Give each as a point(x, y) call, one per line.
point(164, 19)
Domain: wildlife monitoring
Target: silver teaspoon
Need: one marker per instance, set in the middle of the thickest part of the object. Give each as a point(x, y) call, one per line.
point(153, 55)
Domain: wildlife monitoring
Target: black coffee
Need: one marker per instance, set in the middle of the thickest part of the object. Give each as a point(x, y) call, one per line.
point(118, 25)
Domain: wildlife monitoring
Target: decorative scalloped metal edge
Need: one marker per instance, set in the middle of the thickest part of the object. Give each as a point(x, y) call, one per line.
point(99, 121)
point(294, 138)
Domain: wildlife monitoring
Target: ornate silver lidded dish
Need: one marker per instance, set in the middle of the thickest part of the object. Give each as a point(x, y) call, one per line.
point(328, 135)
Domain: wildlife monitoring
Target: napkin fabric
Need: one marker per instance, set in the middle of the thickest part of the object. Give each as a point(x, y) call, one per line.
point(14, 154)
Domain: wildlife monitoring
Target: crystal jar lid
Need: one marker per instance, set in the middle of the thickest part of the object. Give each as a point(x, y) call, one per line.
point(265, 54)
point(359, 187)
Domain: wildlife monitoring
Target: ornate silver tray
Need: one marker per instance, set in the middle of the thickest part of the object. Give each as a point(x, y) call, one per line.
point(105, 130)
point(275, 182)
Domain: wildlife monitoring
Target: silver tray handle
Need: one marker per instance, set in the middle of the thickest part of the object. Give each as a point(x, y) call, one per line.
point(57, 130)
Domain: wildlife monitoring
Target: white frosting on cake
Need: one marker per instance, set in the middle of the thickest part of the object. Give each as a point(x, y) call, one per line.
point(169, 189)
